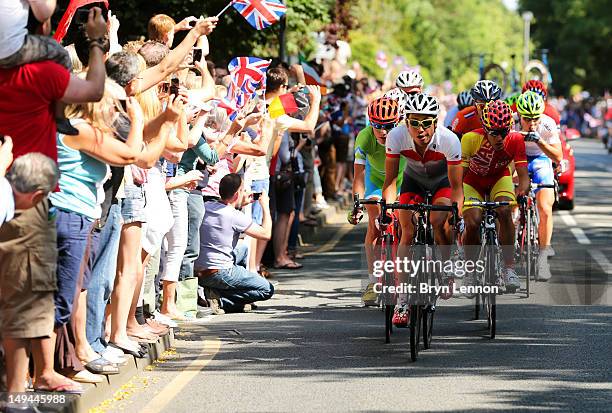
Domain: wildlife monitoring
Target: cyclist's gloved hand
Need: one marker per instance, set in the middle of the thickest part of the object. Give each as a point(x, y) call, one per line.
point(532, 137)
point(387, 218)
point(354, 216)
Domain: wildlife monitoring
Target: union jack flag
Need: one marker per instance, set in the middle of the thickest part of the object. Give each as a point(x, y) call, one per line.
point(260, 13)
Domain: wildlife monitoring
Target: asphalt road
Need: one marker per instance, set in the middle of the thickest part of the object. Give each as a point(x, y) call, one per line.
point(313, 348)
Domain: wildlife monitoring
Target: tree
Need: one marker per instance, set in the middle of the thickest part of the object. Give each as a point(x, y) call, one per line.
point(443, 37)
point(577, 33)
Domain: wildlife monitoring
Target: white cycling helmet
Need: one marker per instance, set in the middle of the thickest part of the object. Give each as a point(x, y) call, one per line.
point(409, 78)
point(422, 104)
point(400, 97)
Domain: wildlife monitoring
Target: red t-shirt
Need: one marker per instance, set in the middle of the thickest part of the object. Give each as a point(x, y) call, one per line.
point(466, 121)
point(26, 113)
point(549, 110)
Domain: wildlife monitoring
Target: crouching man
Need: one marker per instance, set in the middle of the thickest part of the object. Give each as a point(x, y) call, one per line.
point(221, 266)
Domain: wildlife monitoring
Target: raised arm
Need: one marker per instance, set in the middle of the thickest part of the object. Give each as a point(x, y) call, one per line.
point(153, 75)
point(90, 89)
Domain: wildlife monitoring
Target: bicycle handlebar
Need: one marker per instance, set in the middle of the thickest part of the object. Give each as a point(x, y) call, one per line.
point(488, 204)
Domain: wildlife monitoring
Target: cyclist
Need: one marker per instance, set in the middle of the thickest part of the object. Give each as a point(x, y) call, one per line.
point(486, 156)
point(539, 87)
point(543, 147)
point(410, 81)
point(464, 99)
point(369, 173)
point(470, 118)
point(433, 164)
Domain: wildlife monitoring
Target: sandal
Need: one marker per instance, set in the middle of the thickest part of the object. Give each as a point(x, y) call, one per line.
point(68, 388)
point(289, 266)
point(101, 366)
point(136, 353)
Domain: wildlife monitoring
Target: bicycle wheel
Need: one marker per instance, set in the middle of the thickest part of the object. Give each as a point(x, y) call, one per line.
point(428, 319)
point(415, 330)
point(533, 244)
point(388, 322)
point(493, 265)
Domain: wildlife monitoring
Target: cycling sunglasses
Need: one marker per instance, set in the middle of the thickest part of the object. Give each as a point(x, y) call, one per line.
point(530, 118)
point(499, 132)
point(425, 123)
point(387, 127)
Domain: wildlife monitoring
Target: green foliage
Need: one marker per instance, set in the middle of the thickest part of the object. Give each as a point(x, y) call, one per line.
point(577, 34)
point(445, 37)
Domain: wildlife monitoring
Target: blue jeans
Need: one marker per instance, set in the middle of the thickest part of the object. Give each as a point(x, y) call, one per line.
point(295, 225)
point(103, 277)
point(73, 236)
point(195, 210)
point(236, 285)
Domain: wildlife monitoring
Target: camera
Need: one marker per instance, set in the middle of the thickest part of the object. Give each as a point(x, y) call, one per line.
point(197, 54)
point(256, 196)
point(174, 86)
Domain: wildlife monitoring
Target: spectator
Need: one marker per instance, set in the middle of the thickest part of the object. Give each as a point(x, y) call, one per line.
point(30, 179)
point(161, 28)
point(229, 286)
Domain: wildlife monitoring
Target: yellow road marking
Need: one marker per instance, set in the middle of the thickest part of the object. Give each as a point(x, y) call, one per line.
point(172, 389)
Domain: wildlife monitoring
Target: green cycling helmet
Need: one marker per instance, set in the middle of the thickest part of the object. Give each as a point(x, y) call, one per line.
point(530, 104)
point(511, 100)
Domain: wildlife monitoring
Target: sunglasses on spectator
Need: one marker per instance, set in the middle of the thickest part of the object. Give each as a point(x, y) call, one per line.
point(425, 123)
point(530, 118)
point(387, 127)
point(499, 132)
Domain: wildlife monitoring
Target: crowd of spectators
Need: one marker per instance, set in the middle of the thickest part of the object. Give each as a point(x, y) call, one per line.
point(132, 201)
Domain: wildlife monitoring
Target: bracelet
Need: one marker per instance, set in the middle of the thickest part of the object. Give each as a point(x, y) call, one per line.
point(102, 44)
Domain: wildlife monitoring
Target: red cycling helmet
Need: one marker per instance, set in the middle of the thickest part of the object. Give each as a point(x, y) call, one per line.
point(383, 111)
point(497, 115)
point(536, 86)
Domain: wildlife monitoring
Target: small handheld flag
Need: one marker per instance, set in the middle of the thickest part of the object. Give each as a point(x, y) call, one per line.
point(281, 105)
point(260, 13)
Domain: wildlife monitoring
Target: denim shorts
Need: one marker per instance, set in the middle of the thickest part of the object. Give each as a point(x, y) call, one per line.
point(259, 185)
point(132, 206)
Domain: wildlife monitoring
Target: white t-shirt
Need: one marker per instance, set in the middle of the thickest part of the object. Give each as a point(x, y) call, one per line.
point(13, 26)
point(7, 205)
point(548, 133)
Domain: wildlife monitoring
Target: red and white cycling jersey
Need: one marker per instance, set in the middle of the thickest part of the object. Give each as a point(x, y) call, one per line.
point(428, 170)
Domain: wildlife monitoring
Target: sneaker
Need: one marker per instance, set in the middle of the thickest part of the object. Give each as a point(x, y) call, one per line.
point(369, 297)
point(512, 280)
point(214, 301)
point(159, 317)
point(448, 279)
point(400, 316)
point(543, 269)
point(470, 280)
point(113, 358)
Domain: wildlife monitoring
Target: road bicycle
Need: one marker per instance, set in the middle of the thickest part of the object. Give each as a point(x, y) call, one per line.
point(423, 305)
point(527, 244)
point(490, 255)
point(386, 248)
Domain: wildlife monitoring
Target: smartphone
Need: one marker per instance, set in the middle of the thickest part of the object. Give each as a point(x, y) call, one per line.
point(256, 196)
point(165, 87)
point(81, 16)
point(174, 86)
point(123, 104)
point(197, 54)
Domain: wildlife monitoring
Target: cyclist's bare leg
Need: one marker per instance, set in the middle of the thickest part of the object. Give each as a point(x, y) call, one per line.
point(545, 199)
point(372, 235)
point(472, 218)
point(442, 231)
point(506, 231)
